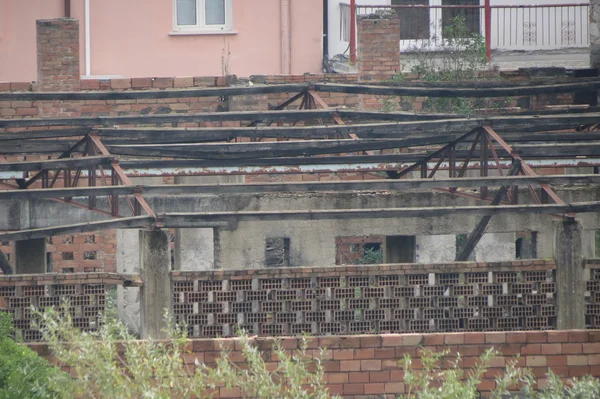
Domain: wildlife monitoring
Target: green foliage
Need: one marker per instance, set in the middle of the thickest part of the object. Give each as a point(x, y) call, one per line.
point(452, 382)
point(290, 379)
point(461, 57)
point(371, 256)
point(111, 363)
point(23, 374)
point(433, 382)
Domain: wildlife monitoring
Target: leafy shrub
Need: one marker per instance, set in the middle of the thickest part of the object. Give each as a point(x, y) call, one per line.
point(452, 382)
point(111, 363)
point(460, 57)
point(23, 374)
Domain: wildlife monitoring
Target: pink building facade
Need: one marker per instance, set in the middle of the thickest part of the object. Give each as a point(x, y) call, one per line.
point(136, 38)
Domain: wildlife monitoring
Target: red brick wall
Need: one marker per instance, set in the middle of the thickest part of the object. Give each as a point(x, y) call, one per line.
point(361, 367)
point(378, 46)
point(58, 54)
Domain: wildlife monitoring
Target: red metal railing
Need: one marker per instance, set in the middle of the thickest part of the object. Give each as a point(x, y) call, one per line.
point(504, 27)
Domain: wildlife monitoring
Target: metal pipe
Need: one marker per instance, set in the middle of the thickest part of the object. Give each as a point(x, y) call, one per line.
point(353, 31)
point(67, 8)
point(88, 66)
point(488, 30)
point(286, 41)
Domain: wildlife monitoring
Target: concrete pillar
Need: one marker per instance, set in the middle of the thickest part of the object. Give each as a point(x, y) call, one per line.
point(58, 54)
point(128, 261)
point(570, 276)
point(156, 298)
point(594, 33)
point(30, 256)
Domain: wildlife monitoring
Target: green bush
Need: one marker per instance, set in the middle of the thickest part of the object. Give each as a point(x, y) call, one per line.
point(433, 381)
point(111, 363)
point(23, 374)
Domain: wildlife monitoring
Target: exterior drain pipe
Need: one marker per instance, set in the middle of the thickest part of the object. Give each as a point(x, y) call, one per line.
point(88, 66)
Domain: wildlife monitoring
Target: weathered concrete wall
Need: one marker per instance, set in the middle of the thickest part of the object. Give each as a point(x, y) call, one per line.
point(313, 242)
point(128, 261)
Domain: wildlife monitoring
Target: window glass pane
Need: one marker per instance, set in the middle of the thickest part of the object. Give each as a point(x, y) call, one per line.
point(186, 12)
point(215, 12)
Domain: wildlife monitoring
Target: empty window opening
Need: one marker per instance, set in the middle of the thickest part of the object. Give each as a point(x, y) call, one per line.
point(277, 252)
point(526, 245)
point(67, 256)
point(354, 250)
point(68, 239)
point(48, 262)
point(90, 239)
point(400, 249)
point(68, 270)
point(89, 255)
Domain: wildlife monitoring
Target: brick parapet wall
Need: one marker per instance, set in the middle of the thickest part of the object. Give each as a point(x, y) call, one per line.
point(369, 270)
point(367, 366)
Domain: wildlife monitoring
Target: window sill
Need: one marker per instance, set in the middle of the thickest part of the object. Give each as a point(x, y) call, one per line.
point(202, 32)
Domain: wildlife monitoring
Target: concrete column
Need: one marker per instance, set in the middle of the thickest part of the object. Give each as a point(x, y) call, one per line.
point(594, 33)
point(155, 262)
point(128, 261)
point(30, 256)
point(569, 276)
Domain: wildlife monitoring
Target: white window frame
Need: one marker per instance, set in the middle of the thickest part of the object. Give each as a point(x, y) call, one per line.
point(201, 26)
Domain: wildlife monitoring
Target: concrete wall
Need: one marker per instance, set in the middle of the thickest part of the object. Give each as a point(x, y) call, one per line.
point(313, 242)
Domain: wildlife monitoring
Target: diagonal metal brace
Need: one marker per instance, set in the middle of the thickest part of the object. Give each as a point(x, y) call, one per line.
point(477, 233)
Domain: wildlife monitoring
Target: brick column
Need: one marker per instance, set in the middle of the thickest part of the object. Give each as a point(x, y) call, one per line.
point(378, 53)
point(58, 54)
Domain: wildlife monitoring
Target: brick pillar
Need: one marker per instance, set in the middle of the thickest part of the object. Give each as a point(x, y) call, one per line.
point(58, 54)
point(378, 53)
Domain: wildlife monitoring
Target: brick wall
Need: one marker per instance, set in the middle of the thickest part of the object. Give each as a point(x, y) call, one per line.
point(378, 46)
point(86, 293)
point(58, 54)
point(366, 367)
point(463, 296)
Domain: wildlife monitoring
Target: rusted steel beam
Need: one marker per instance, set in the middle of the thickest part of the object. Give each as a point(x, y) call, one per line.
point(453, 91)
point(66, 154)
point(527, 170)
point(153, 94)
point(123, 223)
point(140, 202)
point(335, 186)
point(477, 233)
